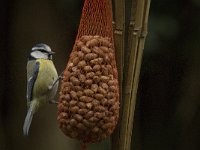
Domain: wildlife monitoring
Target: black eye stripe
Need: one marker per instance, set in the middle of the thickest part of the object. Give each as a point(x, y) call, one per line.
point(41, 50)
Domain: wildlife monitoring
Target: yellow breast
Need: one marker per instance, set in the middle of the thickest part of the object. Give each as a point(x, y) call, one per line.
point(46, 76)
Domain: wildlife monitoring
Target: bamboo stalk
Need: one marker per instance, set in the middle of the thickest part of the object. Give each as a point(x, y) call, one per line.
point(119, 37)
point(119, 31)
point(125, 130)
point(139, 35)
point(136, 39)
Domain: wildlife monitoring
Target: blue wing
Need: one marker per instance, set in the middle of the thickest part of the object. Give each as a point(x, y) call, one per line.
point(32, 71)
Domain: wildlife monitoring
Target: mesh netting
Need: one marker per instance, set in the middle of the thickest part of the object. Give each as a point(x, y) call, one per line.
point(96, 19)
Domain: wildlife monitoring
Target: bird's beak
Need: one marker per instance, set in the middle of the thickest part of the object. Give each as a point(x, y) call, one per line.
point(51, 52)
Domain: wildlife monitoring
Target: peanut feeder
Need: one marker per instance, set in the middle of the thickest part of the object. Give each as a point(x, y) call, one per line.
point(88, 107)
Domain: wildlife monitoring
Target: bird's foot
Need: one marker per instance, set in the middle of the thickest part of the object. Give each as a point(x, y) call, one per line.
point(53, 102)
point(60, 77)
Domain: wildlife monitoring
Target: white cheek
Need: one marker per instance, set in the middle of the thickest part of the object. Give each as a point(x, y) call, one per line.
point(38, 54)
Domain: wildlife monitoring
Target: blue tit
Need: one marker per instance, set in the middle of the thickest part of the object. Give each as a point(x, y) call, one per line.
point(42, 80)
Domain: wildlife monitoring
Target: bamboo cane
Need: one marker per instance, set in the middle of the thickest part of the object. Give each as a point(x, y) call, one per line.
point(136, 39)
point(119, 37)
point(119, 28)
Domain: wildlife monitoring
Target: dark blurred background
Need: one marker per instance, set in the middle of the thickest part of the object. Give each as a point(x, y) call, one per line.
point(167, 113)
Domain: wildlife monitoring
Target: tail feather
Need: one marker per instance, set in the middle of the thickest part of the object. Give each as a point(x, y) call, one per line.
point(27, 121)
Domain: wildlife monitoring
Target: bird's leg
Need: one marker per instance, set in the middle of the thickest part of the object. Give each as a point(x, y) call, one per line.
point(54, 83)
point(51, 87)
point(53, 102)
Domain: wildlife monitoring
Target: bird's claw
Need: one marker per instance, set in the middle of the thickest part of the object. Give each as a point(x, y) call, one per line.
point(53, 102)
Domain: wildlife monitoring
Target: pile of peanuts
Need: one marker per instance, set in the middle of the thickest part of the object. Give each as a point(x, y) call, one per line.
point(88, 107)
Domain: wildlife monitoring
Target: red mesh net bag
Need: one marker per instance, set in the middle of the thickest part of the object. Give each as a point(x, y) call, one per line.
point(88, 105)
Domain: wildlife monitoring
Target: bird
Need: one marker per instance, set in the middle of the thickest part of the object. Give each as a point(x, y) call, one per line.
point(42, 81)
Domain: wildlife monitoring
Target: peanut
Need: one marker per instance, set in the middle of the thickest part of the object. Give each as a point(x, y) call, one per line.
point(104, 85)
point(85, 49)
point(72, 103)
point(81, 126)
point(81, 64)
point(99, 96)
point(74, 80)
point(75, 60)
point(89, 105)
point(104, 49)
point(92, 43)
point(104, 78)
point(82, 78)
point(74, 109)
point(78, 117)
point(80, 54)
point(90, 75)
point(73, 122)
point(88, 82)
point(81, 105)
point(87, 68)
point(86, 38)
point(73, 94)
point(79, 44)
point(96, 67)
point(89, 114)
point(82, 111)
point(97, 61)
point(95, 129)
point(88, 92)
point(94, 87)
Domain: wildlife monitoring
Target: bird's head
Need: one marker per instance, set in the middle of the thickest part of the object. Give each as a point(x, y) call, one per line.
point(41, 51)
